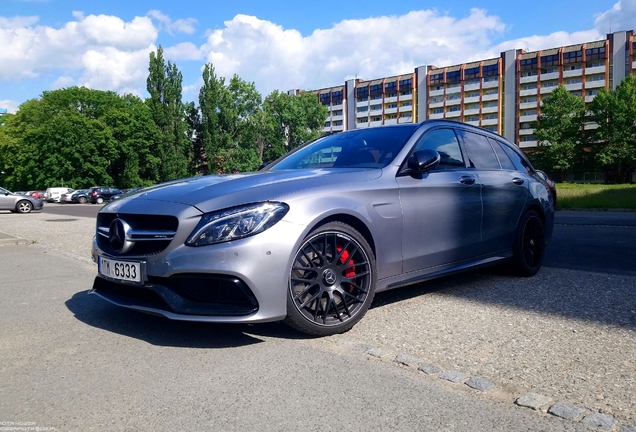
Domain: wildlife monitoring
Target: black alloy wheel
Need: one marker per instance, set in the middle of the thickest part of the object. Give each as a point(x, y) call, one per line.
point(332, 281)
point(82, 200)
point(529, 249)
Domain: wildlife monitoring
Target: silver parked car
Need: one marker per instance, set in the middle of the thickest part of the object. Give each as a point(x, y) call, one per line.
point(312, 237)
point(18, 203)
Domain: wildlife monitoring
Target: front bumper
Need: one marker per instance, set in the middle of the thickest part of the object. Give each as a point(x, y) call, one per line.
point(240, 281)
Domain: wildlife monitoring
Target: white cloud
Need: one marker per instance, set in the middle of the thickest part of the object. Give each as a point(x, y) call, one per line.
point(10, 105)
point(186, 25)
point(557, 39)
point(274, 57)
point(18, 22)
point(620, 17)
point(62, 82)
point(183, 51)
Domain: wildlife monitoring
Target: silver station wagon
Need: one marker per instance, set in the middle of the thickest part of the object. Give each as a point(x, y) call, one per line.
point(313, 236)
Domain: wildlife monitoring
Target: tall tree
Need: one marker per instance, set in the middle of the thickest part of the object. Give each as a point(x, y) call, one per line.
point(559, 131)
point(212, 96)
point(291, 121)
point(164, 84)
point(615, 114)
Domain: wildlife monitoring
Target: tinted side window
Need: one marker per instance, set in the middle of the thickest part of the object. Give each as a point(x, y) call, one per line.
point(504, 160)
point(480, 153)
point(443, 141)
point(520, 163)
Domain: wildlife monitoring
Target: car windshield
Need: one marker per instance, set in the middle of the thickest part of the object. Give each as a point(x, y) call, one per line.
point(366, 148)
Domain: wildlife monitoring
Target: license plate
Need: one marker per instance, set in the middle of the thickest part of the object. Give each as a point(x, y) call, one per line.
point(120, 270)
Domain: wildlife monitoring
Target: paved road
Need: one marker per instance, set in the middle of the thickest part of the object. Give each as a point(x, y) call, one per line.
point(74, 362)
point(73, 210)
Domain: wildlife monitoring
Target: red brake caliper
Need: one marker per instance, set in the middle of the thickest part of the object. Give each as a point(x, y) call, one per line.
point(350, 272)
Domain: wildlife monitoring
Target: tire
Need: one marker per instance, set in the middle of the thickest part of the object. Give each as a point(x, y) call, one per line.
point(529, 247)
point(82, 200)
point(24, 207)
point(100, 200)
point(331, 281)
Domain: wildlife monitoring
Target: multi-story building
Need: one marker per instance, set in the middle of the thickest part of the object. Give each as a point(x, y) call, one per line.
point(502, 94)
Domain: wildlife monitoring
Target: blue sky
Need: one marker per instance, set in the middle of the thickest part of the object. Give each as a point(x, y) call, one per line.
point(50, 44)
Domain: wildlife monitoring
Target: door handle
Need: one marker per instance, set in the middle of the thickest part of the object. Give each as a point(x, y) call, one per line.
point(467, 180)
point(517, 181)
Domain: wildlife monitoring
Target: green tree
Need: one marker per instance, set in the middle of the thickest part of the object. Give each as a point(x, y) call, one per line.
point(559, 131)
point(212, 97)
point(164, 84)
point(291, 121)
point(615, 114)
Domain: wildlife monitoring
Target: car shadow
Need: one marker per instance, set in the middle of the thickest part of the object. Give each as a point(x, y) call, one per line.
point(160, 331)
point(594, 297)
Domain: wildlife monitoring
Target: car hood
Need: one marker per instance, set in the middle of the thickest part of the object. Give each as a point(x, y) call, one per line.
point(209, 193)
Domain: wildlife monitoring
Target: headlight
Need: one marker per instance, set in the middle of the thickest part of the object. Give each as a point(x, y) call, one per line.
point(235, 223)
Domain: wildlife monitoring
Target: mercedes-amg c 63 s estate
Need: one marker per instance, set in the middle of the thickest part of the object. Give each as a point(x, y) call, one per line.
point(313, 236)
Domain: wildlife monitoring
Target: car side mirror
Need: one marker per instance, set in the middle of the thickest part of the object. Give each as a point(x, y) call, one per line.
point(423, 160)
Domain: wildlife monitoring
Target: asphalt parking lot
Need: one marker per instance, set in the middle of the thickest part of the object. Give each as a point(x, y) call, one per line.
point(568, 334)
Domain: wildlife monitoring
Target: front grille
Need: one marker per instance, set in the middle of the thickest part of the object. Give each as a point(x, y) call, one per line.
point(143, 245)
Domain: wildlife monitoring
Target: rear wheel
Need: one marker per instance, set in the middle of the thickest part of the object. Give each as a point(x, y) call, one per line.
point(82, 200)
point(332, 281)
point(100, 200)
point(529, 247)
point(24, 207)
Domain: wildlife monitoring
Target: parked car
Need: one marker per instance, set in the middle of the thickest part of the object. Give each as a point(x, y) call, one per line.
point(66, 197)
point(53, 194)
point(80, 196)
point(125, 192)
point(41, 195)
point(18, 203)
point(100, 194)
point(311, 238)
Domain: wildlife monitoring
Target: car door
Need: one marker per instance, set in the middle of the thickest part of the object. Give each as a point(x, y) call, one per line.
point(7, 201)
point(441, 208)
point(503, 190)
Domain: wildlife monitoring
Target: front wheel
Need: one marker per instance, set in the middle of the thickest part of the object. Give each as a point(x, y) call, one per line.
point(529, 247)
point(82, 200)
point(24, 207)
point(332, 281)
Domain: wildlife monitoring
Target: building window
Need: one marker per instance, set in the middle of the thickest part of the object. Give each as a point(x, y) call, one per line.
point(595, 64)
point(576, 93)
point(596, 78)
point(453, 96)
point(471, 73)
point(529, 73)
point(438, 111)
point(454, 109)
point(574, 81)
point(490, 70)
point(376, 107)
point(550, 60)
point(472, 95)
point(529, 113)
point(375, 89)
point(526, 126)
point(549, 71)
point(573, 67)
point(595, 53)
point(492, 128)
point(471, 107)
point(437, 99)
point(406, 84)
point(454, 76)
point(492, 92)
point(472, 118)
point(376, 97)
point(336, 97)
point(491, 104)
point(337, 123)
point(391, 116)
point(528, 138)
point(376, 118)
point(592, 92)
point(529, 86)
point(362, 92)
point(409, 103)
point(573, 57)
point(549, 84)
point(328, 124)
point(406, 93)
point(391, 95)
point(437, 78)
point(405, 115)
point(363, 120)
point(390, 87)
point(491, 117)
point(363, 99)
point(491, 79)
point(527, 64)
point(529, 99)
point(393, 105)
point(363, 109)
point(325, 99)
point(472, 82)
